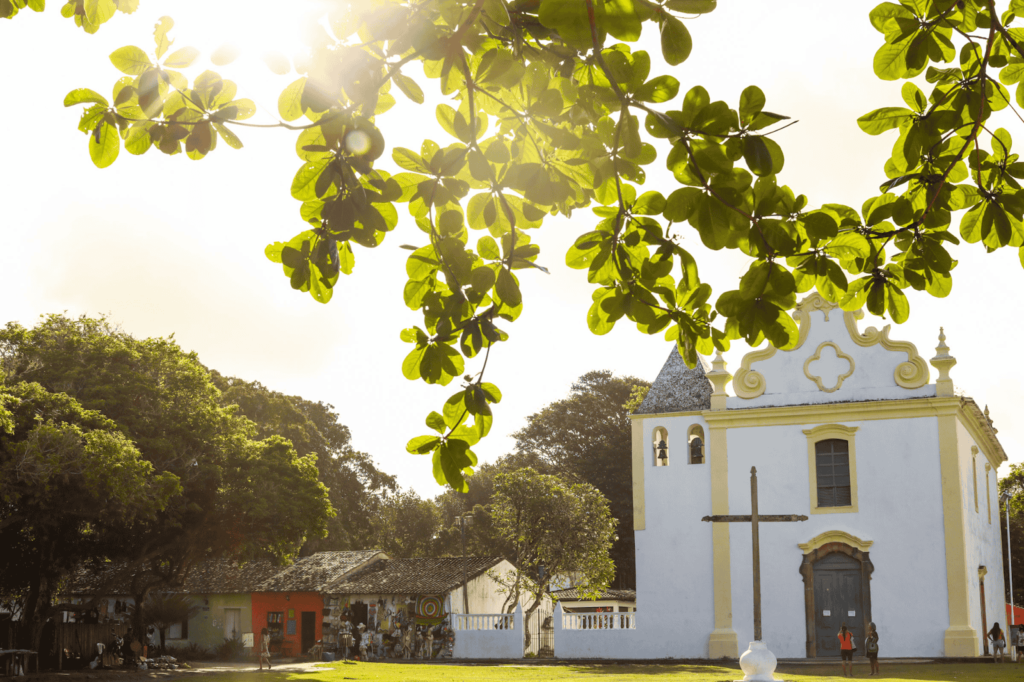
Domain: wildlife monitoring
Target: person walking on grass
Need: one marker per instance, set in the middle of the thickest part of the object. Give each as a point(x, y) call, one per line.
point(871, 647)
point(846, 650)
point(998, 642)
point(264, 648)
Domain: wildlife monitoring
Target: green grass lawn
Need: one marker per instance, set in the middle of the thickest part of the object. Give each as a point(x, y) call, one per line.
point(385, 672)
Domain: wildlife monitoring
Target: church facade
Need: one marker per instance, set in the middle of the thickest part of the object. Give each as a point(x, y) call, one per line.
point(895, 472)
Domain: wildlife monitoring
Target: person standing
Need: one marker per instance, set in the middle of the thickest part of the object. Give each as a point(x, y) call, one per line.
point(846, 650)
point(998, 642)
point(1020, 643)
point(871, 648)
point(264, 648)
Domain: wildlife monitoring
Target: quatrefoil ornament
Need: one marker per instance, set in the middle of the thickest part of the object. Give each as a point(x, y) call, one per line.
point(840, 355)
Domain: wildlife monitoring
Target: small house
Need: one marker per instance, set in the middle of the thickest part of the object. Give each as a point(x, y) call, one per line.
point(290, 604)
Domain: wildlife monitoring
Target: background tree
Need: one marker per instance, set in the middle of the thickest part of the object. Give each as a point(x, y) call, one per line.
point(482, 538)
point(1013, 483)
point(239, 496)
point(405, 525)
point(71, 485)
point(567, 528)
point(587, 437)
point(549, 97)
point(354, 483)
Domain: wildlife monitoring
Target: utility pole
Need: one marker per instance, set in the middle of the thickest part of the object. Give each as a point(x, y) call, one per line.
point(1005, 499)
point(463, 520)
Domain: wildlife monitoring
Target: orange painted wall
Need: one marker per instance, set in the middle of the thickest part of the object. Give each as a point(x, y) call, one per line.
point(264, 602)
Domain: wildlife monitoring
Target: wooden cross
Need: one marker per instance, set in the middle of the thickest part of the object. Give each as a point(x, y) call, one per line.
point(753, 519)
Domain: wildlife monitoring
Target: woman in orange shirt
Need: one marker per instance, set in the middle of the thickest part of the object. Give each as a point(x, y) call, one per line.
point(846, 650)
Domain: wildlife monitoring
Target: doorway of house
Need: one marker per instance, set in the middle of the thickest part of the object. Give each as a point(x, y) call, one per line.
point(359, 614)
point(307, 637)
point(232, 623)
point(838, 599)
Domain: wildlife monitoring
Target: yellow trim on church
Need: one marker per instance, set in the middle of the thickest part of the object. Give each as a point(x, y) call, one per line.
point(960, 639)
point(639, 516)
point(824, 432)
point(723, 641)
point(817, 356)
point(835, 536)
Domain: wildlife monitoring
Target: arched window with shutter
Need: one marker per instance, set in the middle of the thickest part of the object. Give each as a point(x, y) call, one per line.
point(695, 442)
point(659, 445)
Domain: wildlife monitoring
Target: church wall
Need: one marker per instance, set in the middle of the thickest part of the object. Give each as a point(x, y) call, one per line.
point(983, 544)
point(787, 384)
point(899, 510)
point(674, 559)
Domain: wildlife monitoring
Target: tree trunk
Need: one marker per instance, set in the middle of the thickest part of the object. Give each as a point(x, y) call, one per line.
point(526, 618)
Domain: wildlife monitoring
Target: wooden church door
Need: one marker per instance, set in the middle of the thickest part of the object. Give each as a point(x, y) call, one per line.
point(838, 599)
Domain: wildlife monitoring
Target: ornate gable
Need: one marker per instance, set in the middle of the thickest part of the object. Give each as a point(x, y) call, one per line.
point(833, 361)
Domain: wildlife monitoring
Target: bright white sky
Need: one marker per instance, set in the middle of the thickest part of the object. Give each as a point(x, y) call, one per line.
point(171, 246)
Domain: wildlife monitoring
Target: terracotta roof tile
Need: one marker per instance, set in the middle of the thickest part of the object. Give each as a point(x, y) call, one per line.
point(412, 576)
point(313, 573)
point(572, 594)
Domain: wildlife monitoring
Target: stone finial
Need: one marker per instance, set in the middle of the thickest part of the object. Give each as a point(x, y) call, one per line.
point(943, 362)
point(719, 377)
point(989, 420)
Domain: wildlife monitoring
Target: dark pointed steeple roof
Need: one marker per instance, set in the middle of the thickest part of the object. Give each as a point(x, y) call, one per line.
point(678, 388)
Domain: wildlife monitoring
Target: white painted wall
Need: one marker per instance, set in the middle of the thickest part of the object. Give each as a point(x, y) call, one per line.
point(489, 643)
point(595, 643)
point(674, 561)
point(872, 377)
point(900, 511)
point(983, 543)
point(487, 592)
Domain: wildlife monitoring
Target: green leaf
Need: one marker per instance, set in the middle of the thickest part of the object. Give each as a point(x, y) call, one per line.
point(160, 31)
point(225, 54)
point(422, 445)
point(82, 95)
point(914, 98)
point(897, 303)
point(181, 59)
point(886, 118)
point(507, 289)
point(130, 60)
point(676, 42)
point(289, 104)
point(752, 101)
point(890, 61)
point(409, 87)
point(104, 145)
point(276, 62)
point(660, 89)
point(98, 12)
point(757, 155)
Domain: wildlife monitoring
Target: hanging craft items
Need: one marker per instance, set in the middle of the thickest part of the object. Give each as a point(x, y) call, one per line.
point(430, 611)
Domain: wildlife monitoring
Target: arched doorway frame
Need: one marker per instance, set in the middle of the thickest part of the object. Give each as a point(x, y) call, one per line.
point(834, 542)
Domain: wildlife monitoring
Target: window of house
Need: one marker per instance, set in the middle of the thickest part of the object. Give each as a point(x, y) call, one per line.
point(833, 472)
point(660, 446)
point(832, 464)
point(695, 439)
point(178, 630)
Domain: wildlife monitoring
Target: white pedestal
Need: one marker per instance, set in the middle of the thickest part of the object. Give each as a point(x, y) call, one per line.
point(758, 663)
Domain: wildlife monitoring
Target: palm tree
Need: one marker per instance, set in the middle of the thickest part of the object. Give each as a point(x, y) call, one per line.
point(164, 610)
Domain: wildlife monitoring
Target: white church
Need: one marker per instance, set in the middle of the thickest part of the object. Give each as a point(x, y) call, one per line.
point(896, 474)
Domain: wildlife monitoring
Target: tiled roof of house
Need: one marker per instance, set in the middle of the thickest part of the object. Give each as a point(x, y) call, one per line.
point(113, 580)
point(213, 576)
point(572, 594)
point(413, 576)
point(224, 576)
point(315, 572)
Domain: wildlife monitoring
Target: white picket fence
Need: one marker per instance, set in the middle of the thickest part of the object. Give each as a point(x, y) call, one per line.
point(484, 621)
point(599, 621)
point(488, 635)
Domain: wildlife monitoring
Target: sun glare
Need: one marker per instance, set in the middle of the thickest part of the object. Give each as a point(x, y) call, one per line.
point(254, 44)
